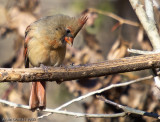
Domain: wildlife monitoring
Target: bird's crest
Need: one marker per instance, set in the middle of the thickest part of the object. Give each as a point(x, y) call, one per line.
point(83, 19)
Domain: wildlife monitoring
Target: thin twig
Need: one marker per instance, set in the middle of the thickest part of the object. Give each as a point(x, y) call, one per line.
point(141, 52)
point(130, 110)
point(114, 16)
point(15, 105)
point(96, 92)
point(64, 112)
point(78, 99)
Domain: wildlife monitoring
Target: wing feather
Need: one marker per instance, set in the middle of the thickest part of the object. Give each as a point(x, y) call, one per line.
point(26, 48)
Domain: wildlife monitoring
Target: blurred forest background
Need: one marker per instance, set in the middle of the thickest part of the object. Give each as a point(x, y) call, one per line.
point(102, 38)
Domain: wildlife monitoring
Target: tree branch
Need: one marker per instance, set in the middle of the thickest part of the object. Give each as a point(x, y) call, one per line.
point(61, 74)
point(129, 110)
point(76, 114)
point(96, 92)
point(114, 16)
point(148, 24)
point(141, 52)
point(149, 10)
point(57, 110)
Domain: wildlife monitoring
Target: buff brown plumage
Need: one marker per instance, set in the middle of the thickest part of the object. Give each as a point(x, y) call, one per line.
point(45, 43)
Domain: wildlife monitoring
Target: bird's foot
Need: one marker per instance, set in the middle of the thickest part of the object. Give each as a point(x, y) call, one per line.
point(45, 68)
point(72, 64)
point(62, 65)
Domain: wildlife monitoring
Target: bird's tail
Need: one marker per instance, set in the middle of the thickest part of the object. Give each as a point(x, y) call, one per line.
point(38, 95)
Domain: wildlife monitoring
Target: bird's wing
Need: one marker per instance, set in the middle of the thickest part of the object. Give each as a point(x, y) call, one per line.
point(25, 47)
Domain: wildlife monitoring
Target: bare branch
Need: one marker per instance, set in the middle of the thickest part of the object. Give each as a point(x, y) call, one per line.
point(156, 77)
point(141, 52)
point(58, 111)
point(96, 92)
point(149, 10)
point(64, 112)
point(130, 110)
point(15, 105)
point(156, 4)
point(148, 25)
point(148, 22)
point(114, 16)
point(61, 74)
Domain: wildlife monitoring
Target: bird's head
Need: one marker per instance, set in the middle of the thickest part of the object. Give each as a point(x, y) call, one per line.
point(73, 27)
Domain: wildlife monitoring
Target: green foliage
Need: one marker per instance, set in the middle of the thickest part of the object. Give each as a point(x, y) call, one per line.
point(105, 6)
point(78, 6)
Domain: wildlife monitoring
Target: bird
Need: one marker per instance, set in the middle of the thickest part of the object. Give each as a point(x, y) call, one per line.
point(45, 45)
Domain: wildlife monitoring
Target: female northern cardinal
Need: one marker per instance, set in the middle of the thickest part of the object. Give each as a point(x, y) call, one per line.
point(45, 44)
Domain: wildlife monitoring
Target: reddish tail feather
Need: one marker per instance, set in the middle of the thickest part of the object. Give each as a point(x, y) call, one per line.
point(38, 95)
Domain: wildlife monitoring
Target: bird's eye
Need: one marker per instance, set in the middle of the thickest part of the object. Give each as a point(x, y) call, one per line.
point(68, 31)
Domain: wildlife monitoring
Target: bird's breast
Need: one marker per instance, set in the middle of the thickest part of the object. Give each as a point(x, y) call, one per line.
point(38, 54)
point(57, 56)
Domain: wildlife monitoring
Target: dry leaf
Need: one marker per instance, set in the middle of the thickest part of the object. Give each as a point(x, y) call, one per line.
point(119, 49)
point(140, 35)
point(20, 20)
point(3, 16)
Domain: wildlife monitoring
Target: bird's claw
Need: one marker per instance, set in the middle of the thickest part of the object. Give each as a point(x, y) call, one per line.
point(45, 68)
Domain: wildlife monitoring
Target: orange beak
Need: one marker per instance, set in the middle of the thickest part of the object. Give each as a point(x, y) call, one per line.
point(69, 40)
